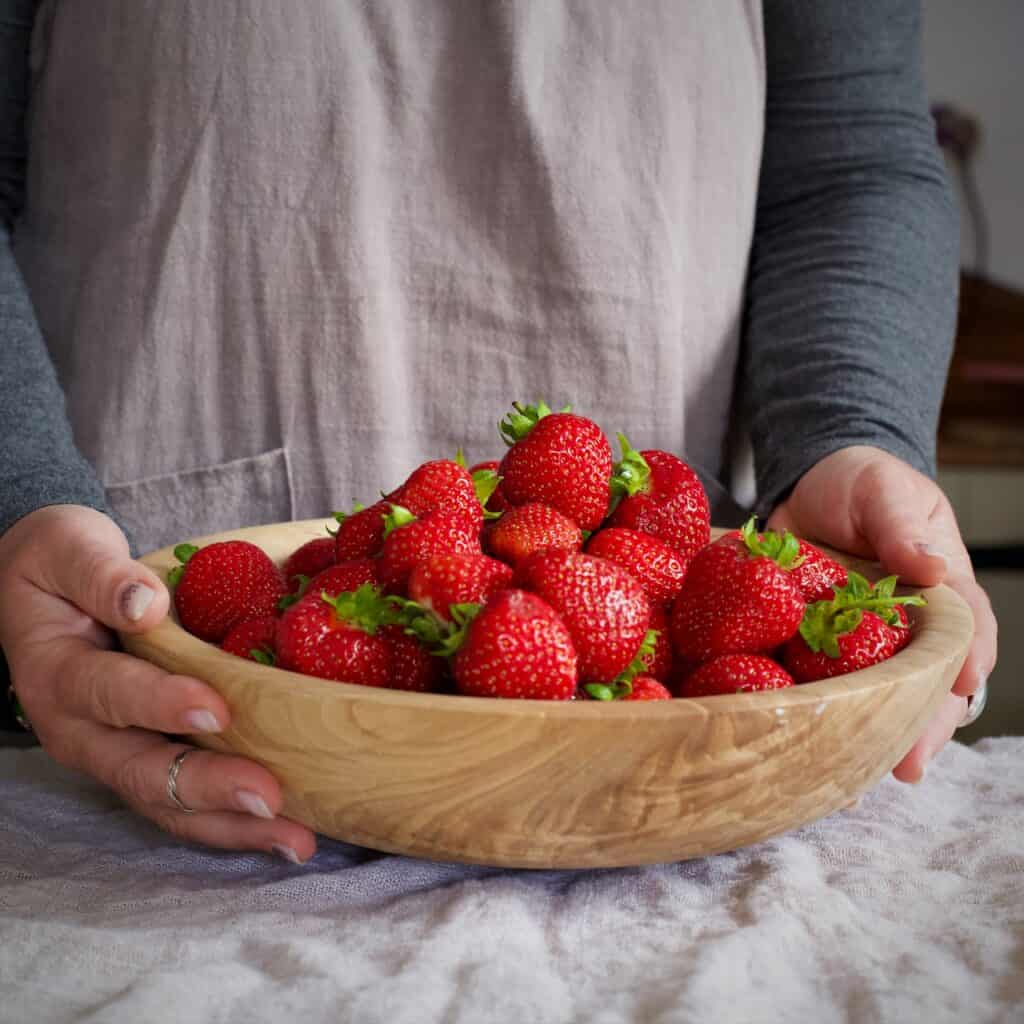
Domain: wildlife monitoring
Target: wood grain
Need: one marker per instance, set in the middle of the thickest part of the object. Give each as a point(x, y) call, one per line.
point(578, 784)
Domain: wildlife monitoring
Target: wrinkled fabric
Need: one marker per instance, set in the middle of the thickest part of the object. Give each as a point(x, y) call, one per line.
point(907, 907)
point(357, 231)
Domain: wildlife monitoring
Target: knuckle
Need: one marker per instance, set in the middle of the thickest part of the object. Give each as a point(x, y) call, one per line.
point(131, 782)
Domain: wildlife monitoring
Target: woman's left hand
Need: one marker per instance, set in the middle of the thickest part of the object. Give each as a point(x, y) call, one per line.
point(869, 503)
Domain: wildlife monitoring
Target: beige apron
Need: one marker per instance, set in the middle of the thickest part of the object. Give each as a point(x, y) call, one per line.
point(283, 251)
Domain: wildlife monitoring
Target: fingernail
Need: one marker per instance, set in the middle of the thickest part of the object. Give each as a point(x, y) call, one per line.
point(287, 853)
point(254, 804)
point(931, 551)
point(199, 720)
point(135, 599)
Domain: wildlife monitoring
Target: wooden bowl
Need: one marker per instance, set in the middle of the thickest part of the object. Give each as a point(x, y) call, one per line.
point(580, 784)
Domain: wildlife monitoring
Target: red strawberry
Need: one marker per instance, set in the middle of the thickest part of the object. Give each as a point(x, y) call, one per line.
point(659, 663)
point(528, 528)
point(516, 646)
point(410, 541)
point(737, 597)
point(443, 485)
point(603, 607)
point(862, 625)
point(557, 459)
point(345, 576)
point(735, 673)
point(647, 688)
point(816, 574)
point(663, 496)
point(496, 501)
point(223, 584)
point(338, 638)
point(314, 556)
point(411, 665)
point(443, 580)
point(360, 534)
point(657, 567)
point(253, 639)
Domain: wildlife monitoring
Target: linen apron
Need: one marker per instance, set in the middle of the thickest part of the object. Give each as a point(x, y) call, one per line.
point(283, 252)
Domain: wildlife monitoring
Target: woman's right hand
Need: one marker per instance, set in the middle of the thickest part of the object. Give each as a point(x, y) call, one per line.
point(66, 581)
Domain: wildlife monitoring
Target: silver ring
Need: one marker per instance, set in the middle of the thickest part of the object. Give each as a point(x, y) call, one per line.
point(172, 780)
point(975, 705)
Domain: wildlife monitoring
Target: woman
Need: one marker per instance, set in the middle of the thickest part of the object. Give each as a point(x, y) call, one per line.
point(279, 260)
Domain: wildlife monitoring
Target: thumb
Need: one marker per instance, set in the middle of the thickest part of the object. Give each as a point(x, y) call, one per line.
point(891, 506)
point(82, 555)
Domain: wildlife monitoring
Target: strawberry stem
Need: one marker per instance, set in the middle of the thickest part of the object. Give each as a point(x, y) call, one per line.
point(364, 608)
point(630, 475)
point(397, 517)
point(485, 483)
point(782, 548)
point(522, 419)
point(182, 552)
point(825, 621)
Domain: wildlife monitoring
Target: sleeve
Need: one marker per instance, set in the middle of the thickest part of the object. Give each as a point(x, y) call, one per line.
point(852, 293)
point(39, 463)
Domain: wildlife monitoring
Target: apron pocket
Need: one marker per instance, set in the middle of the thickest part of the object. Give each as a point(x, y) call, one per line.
point(161, 510)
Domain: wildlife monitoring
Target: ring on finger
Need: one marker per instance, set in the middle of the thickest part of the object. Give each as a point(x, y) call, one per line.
point(975, 706)
point(172, 780)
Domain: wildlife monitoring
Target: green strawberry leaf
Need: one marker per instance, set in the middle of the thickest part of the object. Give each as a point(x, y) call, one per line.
point(365, 608)
point(289, 599)
point(264, 655)
point(460, 459)
point(398, 516)
point(182, 552)
point(630, 475)
point(523, 418)
point(485, 483)
point(782, 548)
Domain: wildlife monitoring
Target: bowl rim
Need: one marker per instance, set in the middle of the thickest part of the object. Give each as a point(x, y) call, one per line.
point(943, 629)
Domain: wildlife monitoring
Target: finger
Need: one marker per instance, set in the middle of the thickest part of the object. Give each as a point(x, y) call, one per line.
point(281, 837)
point(893, 517)
point(135, 765)
point(120, 690)
point(981, 658)
point(937, 733)
point(90, 567)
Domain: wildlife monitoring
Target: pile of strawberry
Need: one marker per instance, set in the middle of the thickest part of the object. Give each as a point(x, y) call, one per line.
point(556, 573)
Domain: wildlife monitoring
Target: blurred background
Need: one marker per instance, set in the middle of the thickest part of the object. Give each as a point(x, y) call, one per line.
point(976, 81)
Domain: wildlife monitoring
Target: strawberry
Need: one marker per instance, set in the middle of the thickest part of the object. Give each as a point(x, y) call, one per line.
point(443, 580)
point(253, 639)
point(862, 625)
point(603, 607)
point(335, 580)
point(737, 597)
point(659, 662)
point(312, 557)
point(447, 486)
point(412, 540)
point(411, 665)
point(223, 584)
point(647, 688)
point(657, 567)
point(657, 493)
point(516, 646)
point(816, 574)
point(338, 637)
point(360, 534)
point(528, 528)
point(557, 459)
point(735, 673)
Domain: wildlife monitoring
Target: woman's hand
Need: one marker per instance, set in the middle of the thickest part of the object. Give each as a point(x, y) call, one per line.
point(869, 503)
point(66, 581)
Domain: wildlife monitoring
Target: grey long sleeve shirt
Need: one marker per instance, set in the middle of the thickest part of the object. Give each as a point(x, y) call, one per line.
point(852, 283)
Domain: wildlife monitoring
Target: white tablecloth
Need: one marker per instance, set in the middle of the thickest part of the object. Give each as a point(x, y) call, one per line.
point(906, 908)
